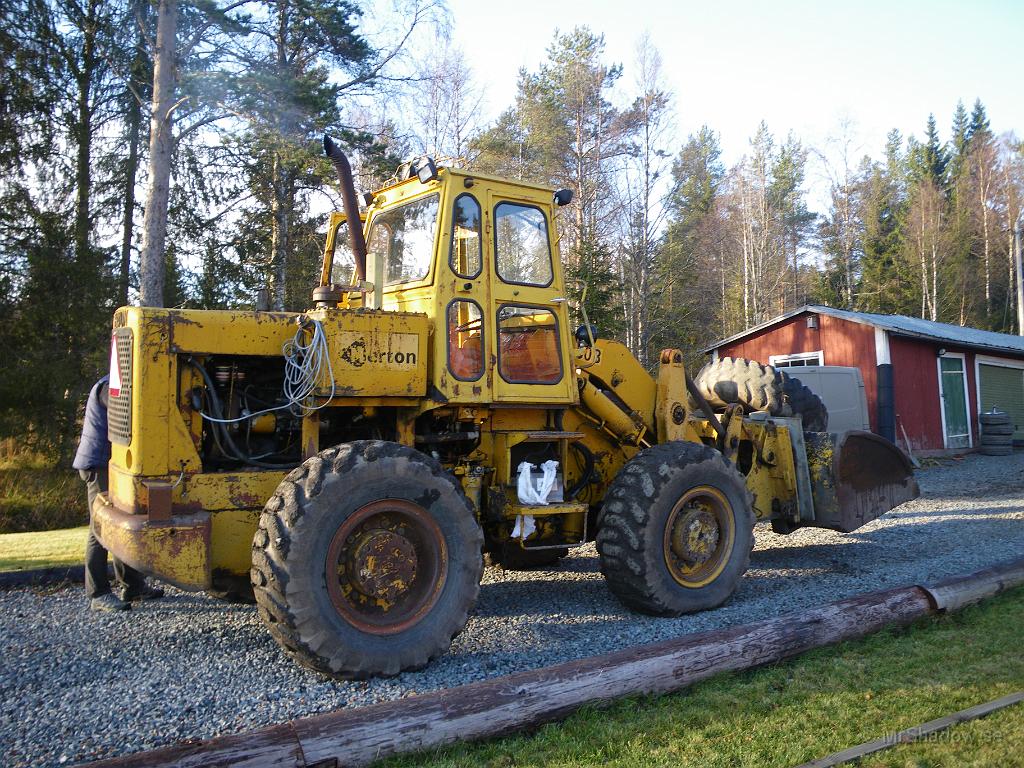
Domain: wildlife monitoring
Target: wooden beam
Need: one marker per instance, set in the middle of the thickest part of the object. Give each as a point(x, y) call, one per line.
point(915, 733)
point(355, 737)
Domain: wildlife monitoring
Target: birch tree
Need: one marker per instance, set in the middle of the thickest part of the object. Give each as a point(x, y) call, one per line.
point(648, 123)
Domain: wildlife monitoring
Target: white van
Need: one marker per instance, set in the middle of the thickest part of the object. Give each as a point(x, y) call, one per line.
point(842, 389)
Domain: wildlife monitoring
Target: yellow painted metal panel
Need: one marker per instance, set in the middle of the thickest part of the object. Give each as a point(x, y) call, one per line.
point(229, 490)
point(376, 353)
point(177, 551)
point(232, 532)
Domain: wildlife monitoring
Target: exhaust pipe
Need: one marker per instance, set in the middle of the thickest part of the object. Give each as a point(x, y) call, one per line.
point(348, 197)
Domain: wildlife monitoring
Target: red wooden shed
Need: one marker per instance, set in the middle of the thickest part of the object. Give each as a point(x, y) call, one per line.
point(927, 379)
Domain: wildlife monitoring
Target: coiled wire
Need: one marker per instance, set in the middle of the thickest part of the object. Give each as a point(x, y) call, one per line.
point(305, 366)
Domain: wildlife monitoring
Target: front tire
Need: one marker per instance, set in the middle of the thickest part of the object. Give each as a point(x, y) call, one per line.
point(367, 560)
point(677, 530)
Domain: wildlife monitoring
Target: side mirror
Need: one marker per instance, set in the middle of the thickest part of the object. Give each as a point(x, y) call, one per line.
point(563, 197)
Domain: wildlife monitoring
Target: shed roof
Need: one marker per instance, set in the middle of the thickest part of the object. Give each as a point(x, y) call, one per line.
point(901, 325)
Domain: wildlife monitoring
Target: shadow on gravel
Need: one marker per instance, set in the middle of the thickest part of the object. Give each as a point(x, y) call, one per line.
point(952, 511)
point(806, 557)
point(542, 596)
point(982, 523)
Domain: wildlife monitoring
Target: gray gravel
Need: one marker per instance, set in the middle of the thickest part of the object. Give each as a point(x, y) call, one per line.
point(76, 685)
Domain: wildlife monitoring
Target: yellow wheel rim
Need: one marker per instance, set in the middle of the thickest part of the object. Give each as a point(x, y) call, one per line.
point(699, 536)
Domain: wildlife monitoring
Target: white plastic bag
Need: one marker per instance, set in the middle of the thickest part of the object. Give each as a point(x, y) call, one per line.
point(524, 486)
point(547, 482)
point(530, 494)
point(524, 527)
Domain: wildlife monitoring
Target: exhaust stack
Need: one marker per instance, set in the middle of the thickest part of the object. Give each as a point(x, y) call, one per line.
point(348, 197)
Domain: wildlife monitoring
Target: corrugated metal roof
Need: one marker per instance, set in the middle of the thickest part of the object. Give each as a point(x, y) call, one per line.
point(901, 325)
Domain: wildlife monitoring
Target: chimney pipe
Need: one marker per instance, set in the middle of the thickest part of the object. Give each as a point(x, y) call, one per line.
point(351, 204)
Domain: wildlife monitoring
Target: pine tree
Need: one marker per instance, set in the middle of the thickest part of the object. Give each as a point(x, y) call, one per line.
point(690, 259)
point(886, 282)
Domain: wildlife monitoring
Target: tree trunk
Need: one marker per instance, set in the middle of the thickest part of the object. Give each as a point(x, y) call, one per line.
point(161, 148)
point(131, 170)
point(83, 136)
point(280, 230)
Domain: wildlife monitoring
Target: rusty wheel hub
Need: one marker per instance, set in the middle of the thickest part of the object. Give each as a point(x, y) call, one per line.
point(386, 566)
point(699, 535)
point(695, 536)
point(383, 564)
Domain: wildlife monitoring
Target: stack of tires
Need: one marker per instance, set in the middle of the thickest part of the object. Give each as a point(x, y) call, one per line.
point(996, 433)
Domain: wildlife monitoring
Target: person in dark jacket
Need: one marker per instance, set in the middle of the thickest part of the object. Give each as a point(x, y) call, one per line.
point(91, 463)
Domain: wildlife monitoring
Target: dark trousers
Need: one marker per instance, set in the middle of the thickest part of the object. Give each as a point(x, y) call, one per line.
point(97, 582)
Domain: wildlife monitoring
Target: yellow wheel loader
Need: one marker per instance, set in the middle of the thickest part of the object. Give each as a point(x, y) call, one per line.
point(350, 466)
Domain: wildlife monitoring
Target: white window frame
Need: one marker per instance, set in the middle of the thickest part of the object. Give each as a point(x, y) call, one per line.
point(819, 356)
point(967, 399)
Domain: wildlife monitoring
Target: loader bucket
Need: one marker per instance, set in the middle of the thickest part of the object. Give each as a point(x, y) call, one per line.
point(855, 477)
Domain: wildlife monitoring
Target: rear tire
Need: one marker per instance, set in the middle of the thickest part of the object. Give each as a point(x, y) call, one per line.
point(988, 439)
point(366, 560)
point(994, 417)
point(996, 429)
point(997, 450)
point(677, 530)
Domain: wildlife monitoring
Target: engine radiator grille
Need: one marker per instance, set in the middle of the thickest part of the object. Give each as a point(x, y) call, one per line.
point(119, 411)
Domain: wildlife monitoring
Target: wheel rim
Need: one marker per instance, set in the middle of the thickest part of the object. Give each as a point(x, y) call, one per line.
point(386, 566)
point(699, 536)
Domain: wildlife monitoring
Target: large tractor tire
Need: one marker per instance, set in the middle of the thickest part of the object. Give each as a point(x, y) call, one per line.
point(804, 403)
point(367, 560)
point(735, 380)
point(677, 530)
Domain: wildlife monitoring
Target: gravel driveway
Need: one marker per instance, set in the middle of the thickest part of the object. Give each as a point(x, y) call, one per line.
point(76, 685)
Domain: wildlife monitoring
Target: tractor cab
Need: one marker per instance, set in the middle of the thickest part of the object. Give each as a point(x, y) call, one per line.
point(478, 255)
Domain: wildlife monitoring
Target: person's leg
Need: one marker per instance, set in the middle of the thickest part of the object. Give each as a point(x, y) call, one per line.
point(96, 580)
point(132, 583)
point(131, 580)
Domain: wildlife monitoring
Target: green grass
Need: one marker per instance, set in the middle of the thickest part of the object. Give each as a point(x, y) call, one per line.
point(35, 496)
point(42, 549)
point(825, 701)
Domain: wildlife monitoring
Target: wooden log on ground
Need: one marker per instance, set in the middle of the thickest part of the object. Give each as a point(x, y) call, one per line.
point(355, 737)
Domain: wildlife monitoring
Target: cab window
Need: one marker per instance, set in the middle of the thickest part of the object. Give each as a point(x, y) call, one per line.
point(465, 340)
point(465, 253)
point(528, 349)
point(522, 248)
point(343, 266)
point(404, 238)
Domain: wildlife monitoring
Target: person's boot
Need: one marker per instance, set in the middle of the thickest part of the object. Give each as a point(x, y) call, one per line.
point(146, 592)
point(108, 601)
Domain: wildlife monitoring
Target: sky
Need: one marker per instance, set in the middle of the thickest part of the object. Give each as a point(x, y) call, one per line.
point(805, 67)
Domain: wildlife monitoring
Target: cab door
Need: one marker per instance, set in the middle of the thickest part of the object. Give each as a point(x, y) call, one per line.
point(463, 346)
point(530, 354)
